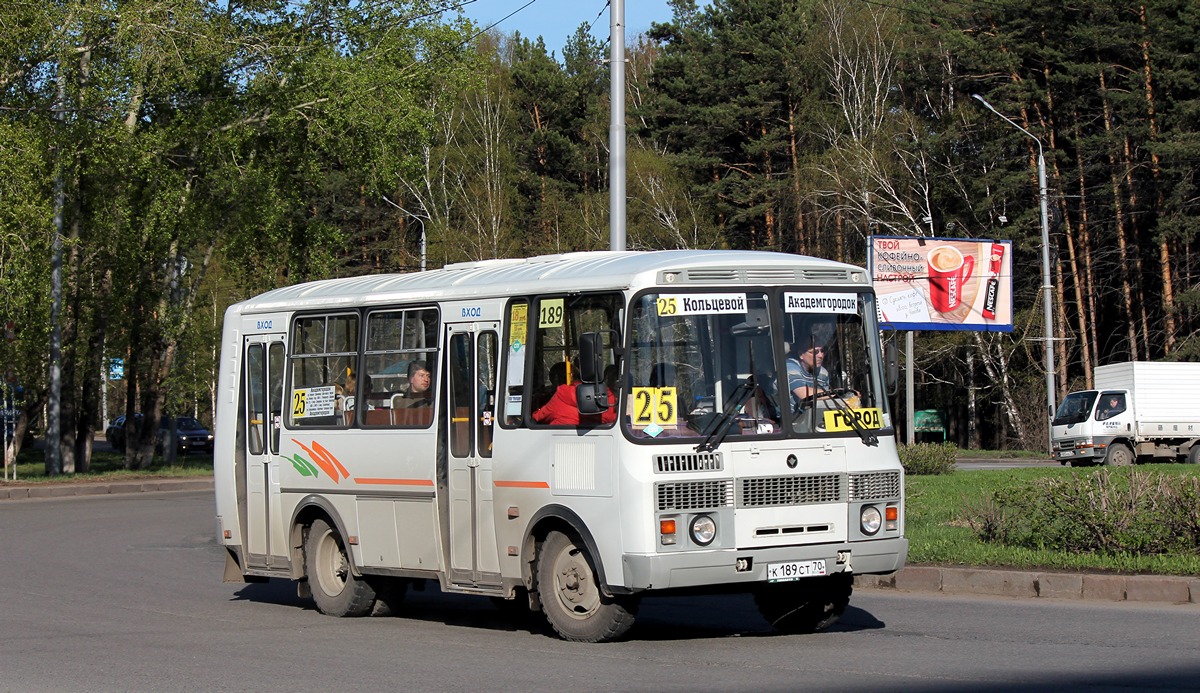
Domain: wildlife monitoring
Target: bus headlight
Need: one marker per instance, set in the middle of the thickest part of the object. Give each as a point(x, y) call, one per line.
point(870, 520)
point(704, 530)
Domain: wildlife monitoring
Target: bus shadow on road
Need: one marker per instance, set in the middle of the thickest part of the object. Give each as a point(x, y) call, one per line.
point(722, 616)
point(660, 618)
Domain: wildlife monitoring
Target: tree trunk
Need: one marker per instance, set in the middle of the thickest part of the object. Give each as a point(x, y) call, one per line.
point(1089, 279)
point(1164, 249)
point(797, 191)
point(1119, 220)
point(972, 411)
point(1127, 164)
point(996, 367)
point(90, 405)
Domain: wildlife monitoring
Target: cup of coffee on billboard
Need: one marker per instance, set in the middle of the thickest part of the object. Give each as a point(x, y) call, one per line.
point(948, 273)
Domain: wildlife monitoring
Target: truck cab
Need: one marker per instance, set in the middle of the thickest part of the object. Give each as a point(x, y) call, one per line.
point(1093, 426)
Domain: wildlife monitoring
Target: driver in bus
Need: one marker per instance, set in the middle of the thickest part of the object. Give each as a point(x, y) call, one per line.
point(806, 376)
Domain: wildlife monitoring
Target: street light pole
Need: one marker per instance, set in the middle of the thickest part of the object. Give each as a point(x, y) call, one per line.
point(1049, 313)
point(616, 126)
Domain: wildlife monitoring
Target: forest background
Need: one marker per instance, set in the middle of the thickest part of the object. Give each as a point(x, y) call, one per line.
point(188, 154)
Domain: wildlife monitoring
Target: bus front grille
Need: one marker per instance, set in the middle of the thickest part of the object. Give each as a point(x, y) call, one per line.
point(689, 462)
point(694, 495)
point(761, 492)
point(874, 486)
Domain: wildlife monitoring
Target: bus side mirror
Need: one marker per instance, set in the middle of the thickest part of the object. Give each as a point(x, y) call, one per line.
point(591, 357)
point(591, 354)
point(591, 398)
point(591, 394)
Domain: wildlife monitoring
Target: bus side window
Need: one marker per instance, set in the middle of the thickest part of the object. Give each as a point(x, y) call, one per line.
point(275, 361)
point(515, 352)
point(400, 366)
point(323, 371)
point(252, 390)
point(561, 319)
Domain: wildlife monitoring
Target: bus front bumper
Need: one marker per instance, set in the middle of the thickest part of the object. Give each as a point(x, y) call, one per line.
point(733, 566)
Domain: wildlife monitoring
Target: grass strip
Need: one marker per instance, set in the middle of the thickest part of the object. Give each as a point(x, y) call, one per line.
point(107, 466)
point(939, 534)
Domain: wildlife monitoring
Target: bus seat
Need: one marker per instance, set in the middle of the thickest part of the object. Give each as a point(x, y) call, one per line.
point(378, 417)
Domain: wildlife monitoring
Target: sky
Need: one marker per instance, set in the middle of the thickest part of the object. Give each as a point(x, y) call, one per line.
point(556, 20)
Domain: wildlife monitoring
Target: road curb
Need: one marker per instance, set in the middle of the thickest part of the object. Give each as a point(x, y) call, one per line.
point(102, 488)
point(1037, 585)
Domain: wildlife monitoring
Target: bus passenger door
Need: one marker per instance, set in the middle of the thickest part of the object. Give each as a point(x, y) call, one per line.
point(262, 397)
point(471, 362)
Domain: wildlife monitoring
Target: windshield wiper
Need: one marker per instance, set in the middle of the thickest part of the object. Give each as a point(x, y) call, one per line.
point(735, 404)
point(868, 438)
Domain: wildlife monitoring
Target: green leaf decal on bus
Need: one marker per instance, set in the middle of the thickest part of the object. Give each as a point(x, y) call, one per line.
point(303, 466)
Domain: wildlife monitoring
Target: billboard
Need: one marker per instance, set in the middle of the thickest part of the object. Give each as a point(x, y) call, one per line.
point(942, 283)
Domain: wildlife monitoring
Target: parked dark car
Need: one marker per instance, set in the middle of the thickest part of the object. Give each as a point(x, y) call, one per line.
point(115, 433)
point(190, 434)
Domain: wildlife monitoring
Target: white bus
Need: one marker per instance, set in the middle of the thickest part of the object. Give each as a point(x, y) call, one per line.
point(573, 430)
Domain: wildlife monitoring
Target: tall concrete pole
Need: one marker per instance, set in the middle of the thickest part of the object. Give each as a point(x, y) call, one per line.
point(616, 127)
point(1046, 293)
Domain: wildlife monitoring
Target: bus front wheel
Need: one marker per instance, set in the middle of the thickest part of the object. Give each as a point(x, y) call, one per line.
point(807, 605)
point(335, 589)
point(571, 597)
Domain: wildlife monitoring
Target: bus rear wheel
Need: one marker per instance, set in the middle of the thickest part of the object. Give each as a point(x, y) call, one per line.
point(807, 605)
point(335, 589)
point(571, 596)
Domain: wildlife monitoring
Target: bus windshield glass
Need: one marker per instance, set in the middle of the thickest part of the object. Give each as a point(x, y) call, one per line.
point(696, 356)
point(710, 365)
point(829, 350)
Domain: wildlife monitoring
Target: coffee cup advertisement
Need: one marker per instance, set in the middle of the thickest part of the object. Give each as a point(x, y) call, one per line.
point(943, 283)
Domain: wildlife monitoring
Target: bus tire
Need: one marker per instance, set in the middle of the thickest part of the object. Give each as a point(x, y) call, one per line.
point(571, 597)
point(807, 605)
point(334, 586)
point(1118, 455)
point(389, 595)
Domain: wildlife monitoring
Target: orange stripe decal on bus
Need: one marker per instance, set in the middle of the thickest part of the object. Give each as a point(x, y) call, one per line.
point(322, 450)
point(325, 463)
point(393, 482)
point(522, 484)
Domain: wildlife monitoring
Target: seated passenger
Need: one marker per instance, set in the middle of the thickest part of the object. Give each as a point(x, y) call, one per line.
point(563, 410)
point(343, 397)
point(418, 392)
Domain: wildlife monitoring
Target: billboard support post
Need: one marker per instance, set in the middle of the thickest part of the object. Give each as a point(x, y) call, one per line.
point(909, 389)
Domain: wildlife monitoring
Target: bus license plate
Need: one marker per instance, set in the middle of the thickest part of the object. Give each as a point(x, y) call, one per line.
point(784, 572)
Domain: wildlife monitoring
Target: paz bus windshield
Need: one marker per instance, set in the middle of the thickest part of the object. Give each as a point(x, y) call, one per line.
point(753, 363)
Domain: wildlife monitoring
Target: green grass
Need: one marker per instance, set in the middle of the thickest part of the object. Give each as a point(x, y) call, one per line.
point(107, 466)
point(937, 533)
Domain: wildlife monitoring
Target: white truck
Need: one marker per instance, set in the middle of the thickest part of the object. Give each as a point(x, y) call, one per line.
point(1139, 411)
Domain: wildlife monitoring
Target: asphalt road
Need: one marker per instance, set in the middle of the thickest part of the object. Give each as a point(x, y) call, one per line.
point(124, 593)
